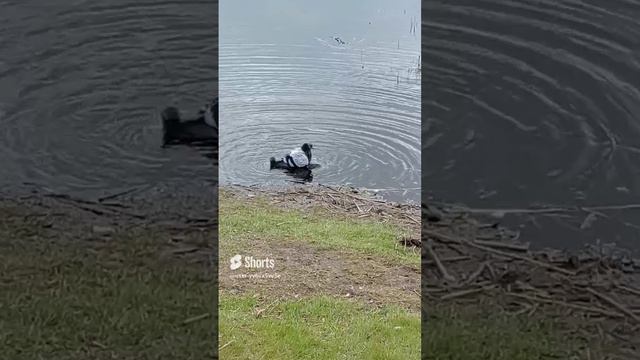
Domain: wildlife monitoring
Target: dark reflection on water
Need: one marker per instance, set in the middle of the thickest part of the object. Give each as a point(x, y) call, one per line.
point(341, 75)
point(533, 103)
point(82, 85)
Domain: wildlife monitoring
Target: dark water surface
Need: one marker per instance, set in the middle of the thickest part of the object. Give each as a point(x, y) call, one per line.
point(285, 80)
point(535, 103)
point(82, 84)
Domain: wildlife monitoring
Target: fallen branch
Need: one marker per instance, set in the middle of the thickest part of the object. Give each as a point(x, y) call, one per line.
point(501, 245)
point(225, 345)
point(462, 293)
point(196, 318)
point(614, 303)
point(439, 265)
point(569, 305)
point(447, 259)
point(476, 273)
point(354, 196)
point(628, 289)
point(497, 252)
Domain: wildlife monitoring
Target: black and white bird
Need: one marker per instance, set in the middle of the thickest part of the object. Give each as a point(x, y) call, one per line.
point(203, 129)
point(298, 158)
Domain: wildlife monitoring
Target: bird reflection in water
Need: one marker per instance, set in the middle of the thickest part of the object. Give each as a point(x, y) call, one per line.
point(301, 175)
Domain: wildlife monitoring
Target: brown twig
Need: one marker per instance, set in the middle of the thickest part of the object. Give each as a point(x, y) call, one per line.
point(447, 259)
point(502, 245)
point(628, 289)
point(614, 303)
point(196, 318)
point(227, 344)
point(354, 196)
point(567, 304)
point(439, 265)
point(358, 206)
point(476, 273)
point(498, 252)
point(466, 292)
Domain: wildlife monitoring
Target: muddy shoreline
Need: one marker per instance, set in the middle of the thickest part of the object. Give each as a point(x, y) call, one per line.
point(592, 293)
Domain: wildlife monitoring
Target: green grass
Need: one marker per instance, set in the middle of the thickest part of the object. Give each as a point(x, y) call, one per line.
point(65, 300)
point(241, 219)
point(317, 328)
point(468, 333)
point(329, 328)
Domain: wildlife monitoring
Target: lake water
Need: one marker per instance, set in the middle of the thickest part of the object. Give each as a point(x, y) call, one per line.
point(536, 103)
point(82, 84)
point(285, 79)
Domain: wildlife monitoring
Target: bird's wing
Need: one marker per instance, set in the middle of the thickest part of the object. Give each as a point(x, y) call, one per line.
point(300, 158)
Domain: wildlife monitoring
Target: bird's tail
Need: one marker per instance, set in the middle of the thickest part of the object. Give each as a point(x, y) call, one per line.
point(170, 121)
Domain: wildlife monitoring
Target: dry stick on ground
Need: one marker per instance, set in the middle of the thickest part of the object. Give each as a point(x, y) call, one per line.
point(525, 308)
point(614, 303)
point(497, 244)
point(476, 273)
point(628, 289)
point(354, 196)
point(227, 344)
point(497, 252)
point(413, 219)
point(358, 206)
point(196, 318)
point(569, 305)
point(466, 292)
point(441, 267)
point(259, 312)
point(448, 259)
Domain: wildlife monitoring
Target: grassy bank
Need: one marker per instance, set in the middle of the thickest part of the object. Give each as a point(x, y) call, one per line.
point(473, 331)
point(347, 289)
point(258, 218)
point(316, 327)
point(68, 292)
point(85, 280)
point(332, 298)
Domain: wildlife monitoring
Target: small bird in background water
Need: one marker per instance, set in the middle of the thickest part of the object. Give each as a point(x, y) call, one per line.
point(202, 129)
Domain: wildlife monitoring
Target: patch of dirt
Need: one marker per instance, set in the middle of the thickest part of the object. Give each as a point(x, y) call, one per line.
point(306, 270)
point(301, 270)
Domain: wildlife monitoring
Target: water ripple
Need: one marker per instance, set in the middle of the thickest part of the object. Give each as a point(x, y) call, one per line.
point(561, 79)
point(81, 95)
point(359, 106)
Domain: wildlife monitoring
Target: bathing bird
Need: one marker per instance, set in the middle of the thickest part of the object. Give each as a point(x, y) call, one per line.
point(202, 129)
point(297, 158)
